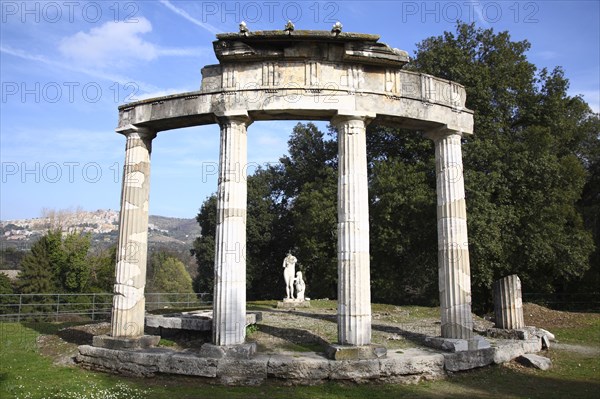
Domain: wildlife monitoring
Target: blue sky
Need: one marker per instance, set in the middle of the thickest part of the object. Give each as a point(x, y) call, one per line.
point(66, 65)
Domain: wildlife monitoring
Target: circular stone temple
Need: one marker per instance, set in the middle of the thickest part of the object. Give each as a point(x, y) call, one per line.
point(349, 79)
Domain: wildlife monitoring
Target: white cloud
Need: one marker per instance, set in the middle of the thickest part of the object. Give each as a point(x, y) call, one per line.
point(117, 44)
point(111, 43)
point(187, 16)
point(123, 80)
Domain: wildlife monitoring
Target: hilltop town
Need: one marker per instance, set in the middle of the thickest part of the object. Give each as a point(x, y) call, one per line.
point(164, 233)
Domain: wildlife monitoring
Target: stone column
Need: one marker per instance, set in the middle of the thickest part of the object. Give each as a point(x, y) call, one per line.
point(127, 320)
point(229, 302)
point(508, 303)
point(453, 246)
point(354, 281)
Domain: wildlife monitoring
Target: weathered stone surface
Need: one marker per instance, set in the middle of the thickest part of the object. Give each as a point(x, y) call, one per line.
point(454, 273)
point(309, 366)
point(247, 372)
point(188, 364)
point(508, 303)
point(535, 336)
point(346, 352)
point(195, 321)
point(127, 318)
point(412, 362)
point(109, 360)
point(145, 357)
point(355, 370)
point(241, 351)
point(506, 350)
point(229, 303)
point(354, 276)
point(467, 360)
point(548, 334)
point(457, 345)
point(292, 304)
point(404, 366)
point(536, 361)
point(110, 342)
point(344, 46)
point(503, 333)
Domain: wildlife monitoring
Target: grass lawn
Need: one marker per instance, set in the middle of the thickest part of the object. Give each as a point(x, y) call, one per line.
point(25, 373)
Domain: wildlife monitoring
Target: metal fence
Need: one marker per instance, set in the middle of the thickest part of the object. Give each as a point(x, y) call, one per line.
point(95, 306)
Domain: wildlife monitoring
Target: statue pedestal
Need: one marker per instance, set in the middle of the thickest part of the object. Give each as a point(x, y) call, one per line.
point(293, 303)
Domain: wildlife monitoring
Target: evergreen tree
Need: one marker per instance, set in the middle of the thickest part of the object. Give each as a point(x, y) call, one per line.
point(6, 297)
point(523, 173)
point(75, 270)
point(37, 271)
point(56, 264)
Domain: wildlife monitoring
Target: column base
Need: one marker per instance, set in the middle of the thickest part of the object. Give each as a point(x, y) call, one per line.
point(348, 352)
point(457, 345)
point(110, 342)
point(241, 351)
point(293, 303)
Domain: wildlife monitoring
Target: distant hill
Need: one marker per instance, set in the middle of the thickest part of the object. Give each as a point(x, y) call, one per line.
point(175, 235)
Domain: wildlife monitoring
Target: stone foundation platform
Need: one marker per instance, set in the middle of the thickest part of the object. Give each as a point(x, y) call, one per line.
point(408, 365)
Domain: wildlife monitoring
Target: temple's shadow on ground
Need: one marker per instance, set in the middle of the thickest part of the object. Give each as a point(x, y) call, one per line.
point(320, 316)
point(75, 336)
point(490, 381)
point(67, 331)
point(417, 338)
point(298, 337)
point(410, 336)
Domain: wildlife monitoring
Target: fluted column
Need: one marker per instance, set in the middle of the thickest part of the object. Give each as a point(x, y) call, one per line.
point(354, 281)
point(508, 302)
point(453, 246)
point(229, 302)
point(127, 318)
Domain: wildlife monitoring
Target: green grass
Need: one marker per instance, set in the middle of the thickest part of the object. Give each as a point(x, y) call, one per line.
point(24, 373)
point(166, 342)
point(588, 334)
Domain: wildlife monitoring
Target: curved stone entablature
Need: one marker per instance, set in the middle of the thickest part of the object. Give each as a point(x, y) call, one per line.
point(274, 75)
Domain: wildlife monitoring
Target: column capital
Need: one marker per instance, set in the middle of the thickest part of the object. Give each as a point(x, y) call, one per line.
point(441, 132)
point(240, 117)
point(345, 116)
point(142, 131)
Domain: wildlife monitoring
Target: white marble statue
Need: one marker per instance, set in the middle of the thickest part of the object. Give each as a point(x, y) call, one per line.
point(300, 286)
point(289, 270)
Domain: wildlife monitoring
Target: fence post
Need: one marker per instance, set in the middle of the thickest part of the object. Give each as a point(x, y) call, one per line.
point(20, 304)
point(57, 306)
point(93, 306)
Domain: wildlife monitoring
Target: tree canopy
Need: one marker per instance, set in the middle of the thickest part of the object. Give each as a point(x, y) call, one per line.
point(167, 274)
point(531, 175)
point(60, 262)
